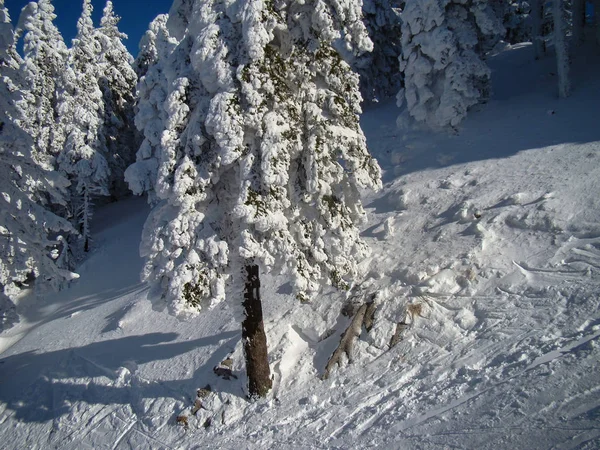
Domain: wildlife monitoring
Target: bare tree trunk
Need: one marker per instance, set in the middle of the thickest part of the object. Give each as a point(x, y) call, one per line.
point(562, 49)
point(254, 337)
point(537, 15)
point(85, 220)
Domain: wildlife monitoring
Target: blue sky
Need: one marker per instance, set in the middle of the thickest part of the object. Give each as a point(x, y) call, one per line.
point(135, 16)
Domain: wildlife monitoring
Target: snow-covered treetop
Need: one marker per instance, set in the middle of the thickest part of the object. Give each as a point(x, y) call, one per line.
point(109, 22)
point(42, 35)
point(149, 45)
point(262, 154)
point(85, 24)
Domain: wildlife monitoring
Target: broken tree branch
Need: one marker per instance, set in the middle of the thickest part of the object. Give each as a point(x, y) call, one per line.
point(364, 316)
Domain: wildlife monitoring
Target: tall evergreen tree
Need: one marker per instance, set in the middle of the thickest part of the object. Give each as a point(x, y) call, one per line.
point(262, 158)
point(44, 60)
point(117, 83)
point(156, 47)
point(32, 239)
point(443, 45)
point(83, 157)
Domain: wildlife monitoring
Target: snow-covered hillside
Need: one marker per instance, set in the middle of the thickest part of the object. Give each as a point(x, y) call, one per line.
point(485, 243)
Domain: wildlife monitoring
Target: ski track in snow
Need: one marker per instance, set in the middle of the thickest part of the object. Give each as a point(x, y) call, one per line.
point(494, 231)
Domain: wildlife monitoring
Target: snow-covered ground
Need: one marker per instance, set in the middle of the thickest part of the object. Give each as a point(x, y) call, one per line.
point(487, 242)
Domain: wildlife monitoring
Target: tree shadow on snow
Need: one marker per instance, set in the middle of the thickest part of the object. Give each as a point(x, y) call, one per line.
point(42, 386)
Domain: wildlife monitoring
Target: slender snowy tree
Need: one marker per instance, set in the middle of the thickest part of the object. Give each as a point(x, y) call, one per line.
point(117, 82)
point(155, 48)
point(262, 158)
point(44, 60)
point(149, 47)
point(83, 157)
point(378, 70)
point(32, 242)
point(442, 58)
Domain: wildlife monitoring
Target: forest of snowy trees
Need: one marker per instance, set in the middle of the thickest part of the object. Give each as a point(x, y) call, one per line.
point(240, 122)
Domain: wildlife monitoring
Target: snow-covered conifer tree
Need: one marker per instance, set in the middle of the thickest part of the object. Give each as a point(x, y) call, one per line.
point(149, 52)
point(44, 60)
point(31, 237)
point(262, 158)
point(444, 73)
point(117, 82)
point(378, 70)
point(83, 157)
point(156, 47)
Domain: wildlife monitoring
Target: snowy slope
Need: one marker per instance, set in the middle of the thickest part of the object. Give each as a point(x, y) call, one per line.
point(493, 233)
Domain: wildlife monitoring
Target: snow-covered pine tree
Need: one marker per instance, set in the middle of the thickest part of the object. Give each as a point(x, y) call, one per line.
point(117, 82)
point(378, 70)
point(31, 237)
point(156, 47)
point(44, 60)
point(149, 51)
point(442, 58)
point(262, 158)
point(83, 157)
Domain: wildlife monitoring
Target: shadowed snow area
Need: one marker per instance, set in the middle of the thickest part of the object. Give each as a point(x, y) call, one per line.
point(486, 243)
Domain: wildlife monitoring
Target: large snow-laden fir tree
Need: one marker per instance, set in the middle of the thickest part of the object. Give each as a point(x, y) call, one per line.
point(443, 42)
point(150, 119)
point(117, 83)
point(32, 242)
point(44, 60)
point(81, 113)
point(262, 158)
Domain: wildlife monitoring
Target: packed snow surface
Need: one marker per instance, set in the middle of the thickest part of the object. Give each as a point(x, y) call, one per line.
point(486, 243)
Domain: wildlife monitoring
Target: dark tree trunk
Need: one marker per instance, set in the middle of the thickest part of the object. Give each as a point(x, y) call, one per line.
point(254, 337)
point(537, 14)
